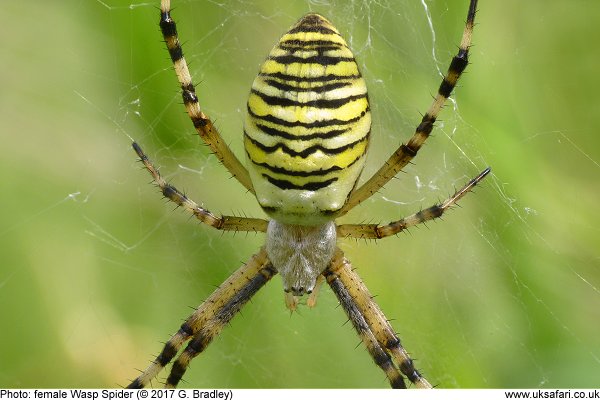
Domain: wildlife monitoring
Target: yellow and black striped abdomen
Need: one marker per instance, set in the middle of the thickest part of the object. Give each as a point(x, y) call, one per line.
point(308, 124)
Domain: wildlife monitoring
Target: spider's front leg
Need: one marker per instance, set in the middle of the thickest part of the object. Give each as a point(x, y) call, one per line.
point(224, 222)
point(204, 126)
point(406, 152)
point(371, 324)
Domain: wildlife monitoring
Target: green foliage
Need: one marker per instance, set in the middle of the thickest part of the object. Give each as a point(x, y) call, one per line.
point(96, 270)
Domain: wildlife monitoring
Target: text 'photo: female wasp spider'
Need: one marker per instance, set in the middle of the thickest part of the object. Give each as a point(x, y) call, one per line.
point(306, 135)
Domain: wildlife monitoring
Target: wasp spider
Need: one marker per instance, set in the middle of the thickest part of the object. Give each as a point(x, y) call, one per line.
point(306, 136)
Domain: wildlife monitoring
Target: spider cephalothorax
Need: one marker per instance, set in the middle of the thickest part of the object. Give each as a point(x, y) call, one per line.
point(306, 136)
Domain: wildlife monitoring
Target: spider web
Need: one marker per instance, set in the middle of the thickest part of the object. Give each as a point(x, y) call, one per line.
point(503, 292)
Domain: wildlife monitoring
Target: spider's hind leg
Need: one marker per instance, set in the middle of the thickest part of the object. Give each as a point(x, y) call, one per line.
point(209, 319)
point(371, 324)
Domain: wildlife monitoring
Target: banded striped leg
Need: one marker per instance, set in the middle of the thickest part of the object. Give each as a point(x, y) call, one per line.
point(406, 152)
point(371, 324)
point(226, 223)
point(209, 319)
point(204, 126)
point(375, 231)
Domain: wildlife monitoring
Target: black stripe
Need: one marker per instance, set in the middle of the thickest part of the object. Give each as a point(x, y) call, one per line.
point(300, 47)
point(176, 53)
point(306, 152)
point(286, 87)
point(314, 28)
point(177, 371)
point(167, 25)
point(311, 43)
point(244, 294)
point(459, 62)
point(290, 136)
point(426, 125)
point(135, 384)
point(318, 59)
point(197, 345)
point(304, 174)
point(408, 368)
point(286, 185)
point(319, 46)
point(223, 316)
point(188, 93)
point(323, 78)
point(457, 66)
point(186, 329)
point(199, 122)
point(445, 88)
point(377, 353)
point(320, 103)
point(167, 354)
point(169, 31)
point(315, 124)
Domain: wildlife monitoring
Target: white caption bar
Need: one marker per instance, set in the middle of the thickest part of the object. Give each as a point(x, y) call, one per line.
point(295, 394)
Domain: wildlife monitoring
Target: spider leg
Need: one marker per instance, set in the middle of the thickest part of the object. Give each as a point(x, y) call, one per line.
point(226, 223)
point(406, 152)
point(204, 126)
point(371, 324)
point(208, 319)
point(375, 231)
point(311, 301)
point(291, 301)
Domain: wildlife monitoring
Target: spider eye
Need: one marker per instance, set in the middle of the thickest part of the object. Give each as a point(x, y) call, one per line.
point(298, 291)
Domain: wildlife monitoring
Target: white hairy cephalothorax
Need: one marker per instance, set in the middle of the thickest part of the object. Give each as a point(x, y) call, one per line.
point(300, 253)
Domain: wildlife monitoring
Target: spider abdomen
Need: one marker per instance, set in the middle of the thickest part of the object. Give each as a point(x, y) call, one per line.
point(308, 124)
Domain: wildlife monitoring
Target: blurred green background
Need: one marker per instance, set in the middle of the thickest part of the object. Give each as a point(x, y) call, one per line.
point(97, 271)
